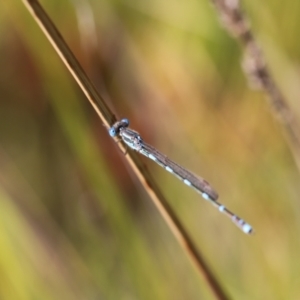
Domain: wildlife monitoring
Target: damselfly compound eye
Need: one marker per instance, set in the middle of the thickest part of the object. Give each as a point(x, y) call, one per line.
point(112, 132)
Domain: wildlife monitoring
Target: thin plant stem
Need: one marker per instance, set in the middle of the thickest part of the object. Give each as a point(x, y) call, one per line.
point(108, 118)
point(235, 21)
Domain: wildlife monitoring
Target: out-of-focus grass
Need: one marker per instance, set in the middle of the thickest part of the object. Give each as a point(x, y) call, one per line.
point(74, 223)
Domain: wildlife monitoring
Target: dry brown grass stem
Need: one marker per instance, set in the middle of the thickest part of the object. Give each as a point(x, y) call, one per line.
point(108, 118)
point(234, 20)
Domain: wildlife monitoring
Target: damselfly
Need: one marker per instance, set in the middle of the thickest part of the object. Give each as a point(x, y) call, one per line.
point(135, 142)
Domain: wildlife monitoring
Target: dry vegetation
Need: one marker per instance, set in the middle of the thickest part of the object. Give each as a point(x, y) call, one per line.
point(74, 221)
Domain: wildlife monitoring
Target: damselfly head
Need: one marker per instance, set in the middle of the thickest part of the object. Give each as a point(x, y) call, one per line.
point(115, 129)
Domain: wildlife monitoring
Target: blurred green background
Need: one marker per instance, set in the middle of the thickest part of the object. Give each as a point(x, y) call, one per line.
point(74, 221)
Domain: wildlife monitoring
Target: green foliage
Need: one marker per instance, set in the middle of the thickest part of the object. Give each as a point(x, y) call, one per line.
point(74, 222)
